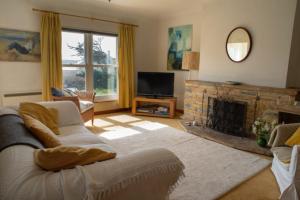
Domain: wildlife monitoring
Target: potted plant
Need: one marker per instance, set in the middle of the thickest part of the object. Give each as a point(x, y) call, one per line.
point(263, 129)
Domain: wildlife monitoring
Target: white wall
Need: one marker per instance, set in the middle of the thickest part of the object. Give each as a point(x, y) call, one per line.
point(293, 79)
point(270, 23)
point(19, 76)
point(180, 76)
point(26, 76)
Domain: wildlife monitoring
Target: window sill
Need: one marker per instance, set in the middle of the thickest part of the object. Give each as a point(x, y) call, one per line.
point(100, 99)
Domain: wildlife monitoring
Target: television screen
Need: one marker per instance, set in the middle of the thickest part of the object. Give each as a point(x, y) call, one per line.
point(155, 84)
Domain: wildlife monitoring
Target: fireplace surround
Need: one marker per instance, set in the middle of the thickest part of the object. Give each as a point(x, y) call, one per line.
point(257, 100)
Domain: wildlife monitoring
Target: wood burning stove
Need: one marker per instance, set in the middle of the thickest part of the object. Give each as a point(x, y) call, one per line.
point(227, 116)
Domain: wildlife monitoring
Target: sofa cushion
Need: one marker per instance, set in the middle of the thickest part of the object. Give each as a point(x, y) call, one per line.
point(85, 105)
point(66, 157)
point(48, 116)
point(41, 131)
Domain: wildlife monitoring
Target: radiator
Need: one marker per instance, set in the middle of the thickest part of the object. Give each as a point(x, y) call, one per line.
point(14, 98)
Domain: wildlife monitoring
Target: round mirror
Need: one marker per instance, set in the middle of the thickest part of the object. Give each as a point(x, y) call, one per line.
point(238, 44)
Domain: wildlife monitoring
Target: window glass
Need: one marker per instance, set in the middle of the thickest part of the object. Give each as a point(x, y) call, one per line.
point(105, 80)
point(73, 51)
point(97, 66)
point(74, 78)
point(104, 50)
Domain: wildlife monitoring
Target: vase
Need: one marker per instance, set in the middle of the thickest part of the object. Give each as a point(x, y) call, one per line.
point(261, 141)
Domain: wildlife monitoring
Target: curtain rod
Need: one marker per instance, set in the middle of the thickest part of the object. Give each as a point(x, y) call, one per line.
point(84, 17)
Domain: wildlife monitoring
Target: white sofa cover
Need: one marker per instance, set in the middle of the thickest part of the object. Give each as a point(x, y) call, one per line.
point(287, 174)
point(145, 175)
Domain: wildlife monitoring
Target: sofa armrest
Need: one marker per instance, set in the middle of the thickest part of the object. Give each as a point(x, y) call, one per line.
point(68, 112)
point(149, 174)
point(282, 133)
point(75, 99)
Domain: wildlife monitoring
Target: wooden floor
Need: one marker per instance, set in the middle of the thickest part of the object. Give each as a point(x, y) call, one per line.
point(263, 186)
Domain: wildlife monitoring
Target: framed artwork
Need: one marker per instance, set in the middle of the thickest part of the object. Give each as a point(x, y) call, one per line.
point(19, 46)
point(180, 40)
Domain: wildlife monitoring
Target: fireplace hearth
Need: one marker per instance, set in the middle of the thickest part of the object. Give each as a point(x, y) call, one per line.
point(227, 116)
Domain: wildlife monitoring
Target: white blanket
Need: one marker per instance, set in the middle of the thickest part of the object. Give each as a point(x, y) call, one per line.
point(24, 180)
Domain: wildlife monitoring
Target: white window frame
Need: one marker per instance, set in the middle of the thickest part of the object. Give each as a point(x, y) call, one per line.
point(89, 66)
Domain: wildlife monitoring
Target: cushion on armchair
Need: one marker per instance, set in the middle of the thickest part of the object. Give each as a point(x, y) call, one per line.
point(85, 105)
point(282, 153)
point(294, 139)
point(57, 92)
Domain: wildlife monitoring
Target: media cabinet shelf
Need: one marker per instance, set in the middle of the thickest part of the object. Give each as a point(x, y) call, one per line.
point(168, 102)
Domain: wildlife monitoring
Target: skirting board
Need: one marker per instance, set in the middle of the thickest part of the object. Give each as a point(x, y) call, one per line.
point(124, 110)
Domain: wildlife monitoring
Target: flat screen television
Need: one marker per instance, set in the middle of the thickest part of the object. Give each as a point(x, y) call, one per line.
point(155, 84)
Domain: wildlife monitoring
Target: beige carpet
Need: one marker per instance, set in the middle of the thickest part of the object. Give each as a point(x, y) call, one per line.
point(211, 169)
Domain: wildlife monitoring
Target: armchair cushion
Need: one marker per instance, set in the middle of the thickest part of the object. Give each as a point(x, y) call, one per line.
point(57, 92)
point(282, 153)
point(294, 139)
point(85, 105)
point(282, 133)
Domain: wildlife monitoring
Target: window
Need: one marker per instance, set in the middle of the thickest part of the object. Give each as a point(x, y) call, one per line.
point(90, 62)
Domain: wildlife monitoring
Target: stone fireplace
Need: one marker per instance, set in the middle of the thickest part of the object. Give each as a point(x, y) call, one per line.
point(227, 116)
point(202, 97)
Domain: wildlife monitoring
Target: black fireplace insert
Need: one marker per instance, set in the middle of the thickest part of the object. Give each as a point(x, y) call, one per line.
point(227, 116)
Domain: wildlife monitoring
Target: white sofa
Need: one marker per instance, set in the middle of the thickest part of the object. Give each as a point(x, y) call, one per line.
point(144, 175)
point(286, 174)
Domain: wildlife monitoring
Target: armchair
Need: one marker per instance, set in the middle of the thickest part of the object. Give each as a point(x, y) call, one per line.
point(286, 162)
point(84, 102)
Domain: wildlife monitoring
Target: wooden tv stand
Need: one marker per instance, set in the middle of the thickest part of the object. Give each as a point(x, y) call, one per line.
point(139, 102)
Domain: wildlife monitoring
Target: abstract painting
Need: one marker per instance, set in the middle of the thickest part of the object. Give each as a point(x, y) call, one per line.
point(180, 40)
point(19, 46)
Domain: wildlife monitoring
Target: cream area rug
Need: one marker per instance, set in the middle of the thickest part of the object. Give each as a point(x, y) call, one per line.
point(211, 169)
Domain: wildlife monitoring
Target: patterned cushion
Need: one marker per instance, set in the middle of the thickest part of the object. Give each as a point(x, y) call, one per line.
point(85, 105)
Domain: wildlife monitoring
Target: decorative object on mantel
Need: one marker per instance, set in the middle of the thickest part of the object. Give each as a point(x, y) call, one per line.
point(233, 83)
point(238, 44)
point(18, 45)
point(190, 61)
point(262, 129)
point(180, 40)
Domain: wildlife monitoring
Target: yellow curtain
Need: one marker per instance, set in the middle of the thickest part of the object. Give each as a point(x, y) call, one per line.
point(50, 53)
point(126, 65)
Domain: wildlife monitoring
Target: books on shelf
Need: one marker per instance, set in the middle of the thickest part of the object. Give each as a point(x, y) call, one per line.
point(154, 109)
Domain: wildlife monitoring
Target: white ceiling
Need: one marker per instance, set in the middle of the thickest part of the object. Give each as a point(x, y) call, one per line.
point(156, 8)
point(147, 8)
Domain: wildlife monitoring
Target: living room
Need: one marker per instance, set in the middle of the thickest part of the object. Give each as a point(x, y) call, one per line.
point(145, 103)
